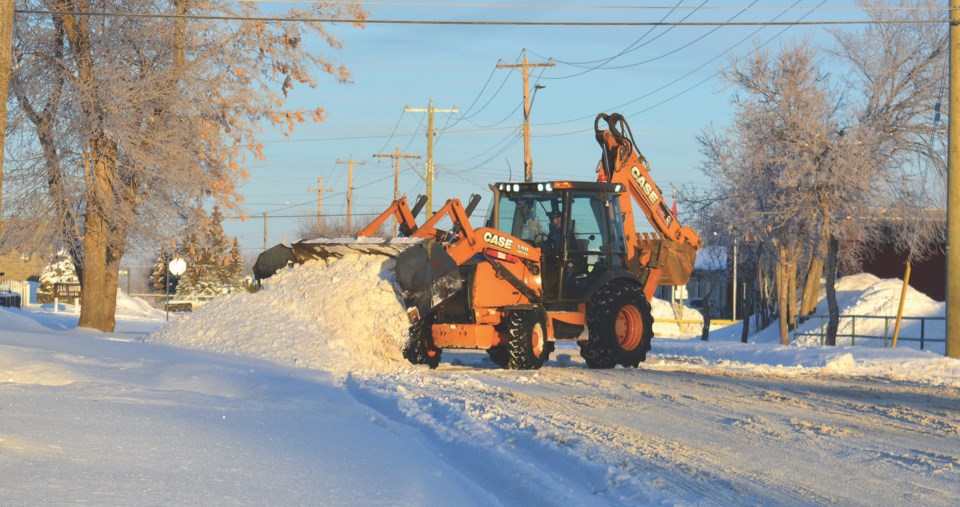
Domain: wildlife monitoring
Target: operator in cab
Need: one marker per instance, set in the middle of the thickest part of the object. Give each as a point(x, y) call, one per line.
point(555, 234)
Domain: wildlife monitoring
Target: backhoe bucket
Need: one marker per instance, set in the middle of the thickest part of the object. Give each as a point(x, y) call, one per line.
point(427, 276)
point(675, 259)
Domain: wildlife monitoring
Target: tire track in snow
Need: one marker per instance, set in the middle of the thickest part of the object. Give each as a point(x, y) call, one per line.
point(678, 433)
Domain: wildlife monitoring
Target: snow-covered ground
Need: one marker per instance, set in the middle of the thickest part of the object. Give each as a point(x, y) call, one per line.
point(298, 395)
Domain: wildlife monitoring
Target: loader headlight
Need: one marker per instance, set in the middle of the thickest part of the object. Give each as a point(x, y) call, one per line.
point(549, 187)
point(539, 187)
point(516, 188)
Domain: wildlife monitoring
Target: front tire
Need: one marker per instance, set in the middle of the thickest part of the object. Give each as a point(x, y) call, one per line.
point(527, 347)
point(420, 348)
point(620, 321)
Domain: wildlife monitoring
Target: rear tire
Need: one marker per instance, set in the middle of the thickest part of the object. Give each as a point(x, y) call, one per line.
point(420, 348)
point(527, 347)
point(621, 326)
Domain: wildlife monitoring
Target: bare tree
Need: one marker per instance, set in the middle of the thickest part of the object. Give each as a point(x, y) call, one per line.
point(766, 163)
point(898, 75)
point(140, 118)
point(892, 139)
point(824, 165)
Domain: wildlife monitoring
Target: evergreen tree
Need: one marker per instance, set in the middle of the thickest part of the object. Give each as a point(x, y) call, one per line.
point(60, 269)
point(158, 277)
point(212, 265)
point(235, 265)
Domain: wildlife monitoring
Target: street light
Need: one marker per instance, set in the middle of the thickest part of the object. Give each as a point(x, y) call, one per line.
point(175, 267)
point(527, 106)
point(126, 272)
point(533, 97)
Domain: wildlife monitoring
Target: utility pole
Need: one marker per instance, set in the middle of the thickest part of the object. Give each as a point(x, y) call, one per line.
point(396, 176)
point(350, 163)
point(953, 189)
point(527, 103)
point(264, 231)
point(429, 167)
point(319, 190)
point(6, 64)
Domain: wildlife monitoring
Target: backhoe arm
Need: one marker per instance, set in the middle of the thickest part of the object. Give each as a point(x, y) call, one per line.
point(623, 163)
point(664, 260)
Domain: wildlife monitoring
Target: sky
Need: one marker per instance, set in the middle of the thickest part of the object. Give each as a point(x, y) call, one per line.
point(663, 79)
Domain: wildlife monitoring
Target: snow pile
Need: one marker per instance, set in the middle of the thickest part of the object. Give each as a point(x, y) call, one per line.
point(133, 308)
point(866, 295)
point(663, 311)
point(339, 316)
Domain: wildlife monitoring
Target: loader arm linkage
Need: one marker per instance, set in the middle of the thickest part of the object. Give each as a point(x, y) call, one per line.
point(427, 272)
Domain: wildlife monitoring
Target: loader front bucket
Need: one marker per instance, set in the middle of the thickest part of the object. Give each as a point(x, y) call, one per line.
point(273, 260)
point(327, 248)
point(427, 276)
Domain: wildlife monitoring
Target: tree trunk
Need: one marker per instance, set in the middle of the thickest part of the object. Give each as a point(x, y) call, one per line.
point(792, 293)
point(705, 333)
point(783, 297)
point(749, 294)
point(811, 288)
point(96, 308)
point(831, 274)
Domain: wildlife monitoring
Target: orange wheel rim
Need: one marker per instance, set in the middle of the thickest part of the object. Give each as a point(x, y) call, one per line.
point(629, 327)
point(536, 338)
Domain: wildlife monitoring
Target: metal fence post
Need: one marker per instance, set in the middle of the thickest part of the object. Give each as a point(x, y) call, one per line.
point(886, 327)
point(923, 322)
point(853, 331)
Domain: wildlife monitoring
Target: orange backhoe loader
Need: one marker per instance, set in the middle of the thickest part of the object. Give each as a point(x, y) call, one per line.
point(555, 261)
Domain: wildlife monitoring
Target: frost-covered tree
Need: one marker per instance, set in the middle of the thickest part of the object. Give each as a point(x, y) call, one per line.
point(898, 82)
point(809, 164)
point(767, 164)
point(60, 269)
point(124, 118)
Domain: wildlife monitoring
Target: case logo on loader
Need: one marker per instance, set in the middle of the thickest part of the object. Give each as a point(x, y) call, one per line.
point(645, 187)
point(498, 240)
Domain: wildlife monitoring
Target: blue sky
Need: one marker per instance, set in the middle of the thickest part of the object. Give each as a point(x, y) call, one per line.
point(666, 85)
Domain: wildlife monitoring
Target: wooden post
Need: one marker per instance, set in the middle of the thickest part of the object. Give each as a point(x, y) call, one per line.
point(396, 176)
point(527, 103)
point(319, 190)
point(953, 189)
point(350, 163)
point(903, 298)
point(6, 64)
point(429, 167)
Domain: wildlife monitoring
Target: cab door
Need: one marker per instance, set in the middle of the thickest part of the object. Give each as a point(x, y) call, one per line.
point(594, 242)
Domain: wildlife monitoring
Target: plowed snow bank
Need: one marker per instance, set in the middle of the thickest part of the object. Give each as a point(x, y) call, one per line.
point(339, 316)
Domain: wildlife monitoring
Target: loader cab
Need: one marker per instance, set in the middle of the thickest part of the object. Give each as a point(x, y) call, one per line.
point(578, 227)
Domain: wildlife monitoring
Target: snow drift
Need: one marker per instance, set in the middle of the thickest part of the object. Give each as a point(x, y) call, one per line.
point(339, 316)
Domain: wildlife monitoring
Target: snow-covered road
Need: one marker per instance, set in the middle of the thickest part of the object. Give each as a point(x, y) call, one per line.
point(675, 431)
point(297, 395)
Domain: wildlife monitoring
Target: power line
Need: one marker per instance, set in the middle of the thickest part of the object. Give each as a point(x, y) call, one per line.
point(671, 83)
point(441, 22)
point(632, 47)
point(597, 7)
point(668, 53)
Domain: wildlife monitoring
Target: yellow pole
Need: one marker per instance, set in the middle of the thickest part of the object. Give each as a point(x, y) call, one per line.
point(903, 299)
